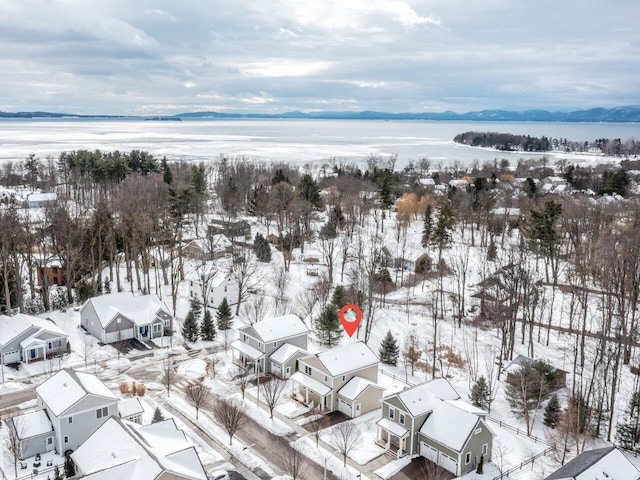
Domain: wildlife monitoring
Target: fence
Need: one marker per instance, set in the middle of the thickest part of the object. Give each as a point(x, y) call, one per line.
point(523, 464)
point(518, 431)
point(400, 379)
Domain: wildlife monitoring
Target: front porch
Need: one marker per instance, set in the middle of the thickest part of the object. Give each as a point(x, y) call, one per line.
point(392, 437)
point(248, 357)
point(312, 393)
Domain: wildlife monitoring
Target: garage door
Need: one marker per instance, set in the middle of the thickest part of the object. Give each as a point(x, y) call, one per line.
point(276, 369)
point(428, 452)
point(11, 357)
point(445, 461)
point(114, 337)
point(344, 407)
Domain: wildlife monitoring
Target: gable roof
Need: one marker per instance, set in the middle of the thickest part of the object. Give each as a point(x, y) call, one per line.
point(16, 325)
point(32, 424)
point(141, 310)
point(354, 387)
point(121, 449)
point(419, 400)
point(285, 352)
point(347, 358)
point(597, 464)
point(277, 328)
point(66, 388)
point(449, 425)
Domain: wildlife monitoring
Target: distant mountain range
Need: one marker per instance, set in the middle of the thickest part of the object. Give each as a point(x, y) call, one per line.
point(618, 114)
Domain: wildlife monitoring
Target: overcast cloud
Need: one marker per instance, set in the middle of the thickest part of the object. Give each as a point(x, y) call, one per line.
point(165, 57)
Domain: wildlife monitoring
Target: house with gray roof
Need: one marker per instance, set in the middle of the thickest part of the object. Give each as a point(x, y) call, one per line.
point(432, 421)
point(25, 338)
point(598, 464)
point(121, 316)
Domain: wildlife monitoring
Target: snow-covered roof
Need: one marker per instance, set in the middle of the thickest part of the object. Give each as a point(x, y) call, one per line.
point(41, 197)
point(247, 349)
point(32, 424)
point(468, 407)
point(449, 425)
point(217, 243)
point(129, 406)
point(141, 310)
point(420, 399)
point(347, 358)
point(354, 387)
point(285, 352)
point(12, 327)
point(392, 427)
point(215, 273)
point(278, 328)
point(67, 387)
point(121, 449)
point(598, 464)
point(311, 383)
point(426, 181)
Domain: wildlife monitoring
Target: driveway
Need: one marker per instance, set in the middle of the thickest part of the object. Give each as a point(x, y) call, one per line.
point(422, 469)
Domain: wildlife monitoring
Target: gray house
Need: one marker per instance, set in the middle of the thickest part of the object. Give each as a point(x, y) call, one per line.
point(604, 463)
point(343, 378)
point(24, 338)
point(121, 316)
point(258, 342)
point(72, 406)
point(430, 420)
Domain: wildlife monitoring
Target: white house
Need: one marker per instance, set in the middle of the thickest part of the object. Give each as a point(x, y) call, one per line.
point(600, 463)
point(210, 284)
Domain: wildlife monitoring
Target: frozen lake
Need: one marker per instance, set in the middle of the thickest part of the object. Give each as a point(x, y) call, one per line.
point(295, 141)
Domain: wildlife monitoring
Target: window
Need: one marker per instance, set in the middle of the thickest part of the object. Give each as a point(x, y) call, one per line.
point(166, 322)
point(156, 328)
point(344, 377)
point(55, 270)
point(119, 320)
point(225, 288)
point(307, 370)
point(50, 441)
point(392, 413)
point(402, 419)
point(244, 337)
point(478, 430)
point(66, 439)
point(70, 419)
point(259, 345)
point(325, 378)
point(467, 459)
point(275, 344)
point(485, 448)
point(102, 412)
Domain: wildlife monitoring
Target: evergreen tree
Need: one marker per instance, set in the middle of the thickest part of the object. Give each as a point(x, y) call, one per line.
point(196, 306)
point(389, 350)
point(339, 297)
point(480, 393)
point(327, 326)
point(167, 174)
point(69, 467)
point(427, 229)
point(628, 431)
point(552, 412)
point(224, 317)
point(207, 328)
point(309, 191)
point(56, 474)
point(190, 327)
point(157, 416)
point(442, 234)
point(261, 248)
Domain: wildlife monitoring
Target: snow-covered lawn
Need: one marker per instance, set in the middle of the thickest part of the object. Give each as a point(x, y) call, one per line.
point(193, 369)
point(393, 467)
point(367, 449)
point(327, 459)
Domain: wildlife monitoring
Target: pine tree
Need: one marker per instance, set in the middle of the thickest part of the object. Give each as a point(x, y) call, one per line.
point(157, 416)
point(628, 432)
point(207, 328)
point(442, 234)
point(190, 327)
point(339, 297)
point(309, 190)
point(167, 175)
point(69, 467)
point(327, 326)
point(480, 393)
point(56, 474)
point(196, 307)
point(224, 317)
point(389, 350)
point(261, 248)
point(552, 412)
point(427, 229)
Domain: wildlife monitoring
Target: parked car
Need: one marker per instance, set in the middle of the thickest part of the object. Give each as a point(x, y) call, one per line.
point(218, 475)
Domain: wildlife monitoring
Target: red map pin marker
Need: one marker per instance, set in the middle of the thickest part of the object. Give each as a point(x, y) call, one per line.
point(349, 323)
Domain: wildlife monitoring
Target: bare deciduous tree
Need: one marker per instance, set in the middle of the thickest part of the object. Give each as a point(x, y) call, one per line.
point(345, 437)
point(294, 462)
point(198, 395)
point(272, 391)
point(255, 309)
point(242, 378)
point(13, 444)
point(230, 415)
point(168, 375)
point(245, 272)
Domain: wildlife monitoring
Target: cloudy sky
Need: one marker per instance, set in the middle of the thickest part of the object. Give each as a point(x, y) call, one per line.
point(165, 57)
